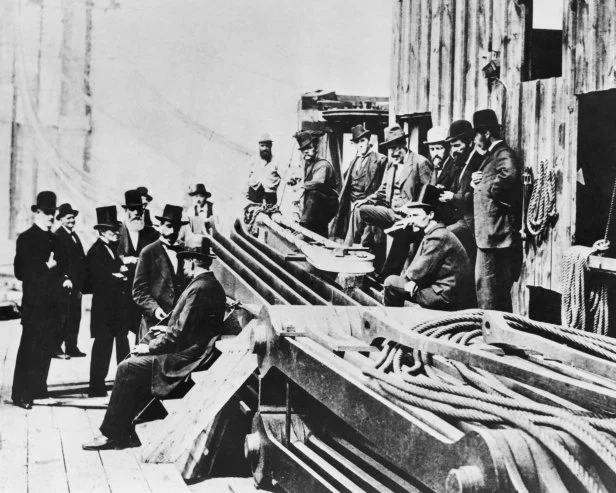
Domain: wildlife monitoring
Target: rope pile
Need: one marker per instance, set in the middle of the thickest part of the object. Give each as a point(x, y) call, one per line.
point(253, 209)
point(542, 205)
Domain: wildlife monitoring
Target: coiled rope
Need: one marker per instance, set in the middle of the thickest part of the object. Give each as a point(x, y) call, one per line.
point(542, 205)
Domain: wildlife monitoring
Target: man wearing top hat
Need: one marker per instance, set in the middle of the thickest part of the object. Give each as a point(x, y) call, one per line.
point(173, 351)
point(42, 283)
point(201, 211)
point(264, 175)
point(497, 201)
point(320, 198)
point(362, 178)
point(146, 198)
point(437, 276)
point(135, 235)
point(107, 281)
point(72, 265)
point(158, 278)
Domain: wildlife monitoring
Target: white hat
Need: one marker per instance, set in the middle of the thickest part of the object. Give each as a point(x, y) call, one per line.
point(437, 135)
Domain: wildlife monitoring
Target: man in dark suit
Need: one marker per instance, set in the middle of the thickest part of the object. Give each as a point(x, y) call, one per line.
point(497, 202)
point(72, 266)
point(146, 198)
point(437, 277)
point(36, 266)
point(106, 277)
point(158, 366)
point(200, 213)
point(362, 178)
point(158, 278)
point(135, 235)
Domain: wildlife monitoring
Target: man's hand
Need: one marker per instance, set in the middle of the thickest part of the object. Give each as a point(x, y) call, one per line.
point(51, 262)
point(67, 284)
point(141, 349)
point(446, 196)
point(158, 330)
point(410, 287)
point(159, 313)
point(476, 178)
point(130, 260)
point(118, 275)
point(123, 269)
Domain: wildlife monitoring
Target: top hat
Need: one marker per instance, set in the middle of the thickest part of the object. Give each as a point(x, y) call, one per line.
point(132, 198)
point(173, 214)
point(393, 135)
point(107, 217)
point(460, 129)
point(197, 246)
point(198, 189)
point(143, 191)
point(45, 201)
point(305, 138)
point(428, 198)
point(265, 138)
point(359, 131)
point(436, 135)
point(484, 119)
point(65, 210)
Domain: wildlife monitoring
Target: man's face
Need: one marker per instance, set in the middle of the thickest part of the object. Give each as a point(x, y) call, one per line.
point(397, 152)
point(188, 267)
point(460, 150)
point(309, 153)
point(265, 150)
point(198, 200)
point(363, 145)
point(68, 221)
point(169, 230)
point(420, 218)
point(134, 218)
point(45, 218)
point(481, 139)
point(110, 235)
point(144, 201)
point(437, 154)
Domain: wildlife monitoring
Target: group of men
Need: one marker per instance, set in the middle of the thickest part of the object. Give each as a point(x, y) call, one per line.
point(454, 218)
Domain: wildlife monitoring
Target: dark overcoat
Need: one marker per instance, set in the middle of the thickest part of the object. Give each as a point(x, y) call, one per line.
point(320, 195)
point(72, 258)
point(108, 291)
point(196, 321)
point(368, 181)
point(497, 199)
point(447, 175)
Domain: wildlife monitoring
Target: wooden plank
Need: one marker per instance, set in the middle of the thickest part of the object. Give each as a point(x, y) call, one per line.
point(472, 60)
point(483, 35)
point(436, 70)
point(581, 61)
point(164, 478)
point(558, 246)
point(404, 54)
point(413, 8)
point(396, 42)
point(446, 62)
point(423, 77)
point(459, 57)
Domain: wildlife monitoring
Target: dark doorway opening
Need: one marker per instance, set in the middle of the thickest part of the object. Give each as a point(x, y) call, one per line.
point(596, 168)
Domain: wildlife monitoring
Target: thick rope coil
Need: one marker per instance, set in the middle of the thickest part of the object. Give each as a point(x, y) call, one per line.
point(542, 205)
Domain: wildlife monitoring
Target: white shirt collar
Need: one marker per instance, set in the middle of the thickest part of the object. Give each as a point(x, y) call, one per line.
point(494, 144)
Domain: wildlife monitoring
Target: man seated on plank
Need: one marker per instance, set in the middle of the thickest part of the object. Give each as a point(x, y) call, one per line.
point(158, 366)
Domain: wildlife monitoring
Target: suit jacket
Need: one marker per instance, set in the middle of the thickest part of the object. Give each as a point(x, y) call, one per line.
point(446, 177)
point(320, 196)
point(462, 189)
point(108, 291)
point(41, 286)
point(497, 199)
point(195, 323)
point(156, 284)
point(368, 181)
point(413, 174)
point(72, 258)
point(441, 263)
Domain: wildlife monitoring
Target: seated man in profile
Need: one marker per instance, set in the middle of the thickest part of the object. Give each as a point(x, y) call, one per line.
point(438, 276)
point(157, 367)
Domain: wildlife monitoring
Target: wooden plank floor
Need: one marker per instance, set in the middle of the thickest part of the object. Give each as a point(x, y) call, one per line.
point(40, 449)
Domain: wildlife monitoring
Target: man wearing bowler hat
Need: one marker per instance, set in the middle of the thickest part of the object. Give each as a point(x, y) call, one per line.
point(362, 178)
point(72, 265)
point(158, 278)
point(135, 235)
point(200, 214)
point(264, 175)
point(42, 283)
point(172, 352)
point(107, 281)
point(497, 201)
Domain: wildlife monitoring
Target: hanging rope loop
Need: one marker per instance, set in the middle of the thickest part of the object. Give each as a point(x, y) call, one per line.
point(542, 205)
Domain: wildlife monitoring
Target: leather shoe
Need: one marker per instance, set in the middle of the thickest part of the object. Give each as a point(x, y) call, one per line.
point(103, 443)
point(75, 353)
point(22, 403)
point(61, 355)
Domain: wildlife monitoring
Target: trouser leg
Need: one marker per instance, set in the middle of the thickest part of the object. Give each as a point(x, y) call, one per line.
point(394, 293)
point(99, 362)
point(399, 251)
point(496, 270)
point(122, 347)
point(71, 329)
point(23, 367)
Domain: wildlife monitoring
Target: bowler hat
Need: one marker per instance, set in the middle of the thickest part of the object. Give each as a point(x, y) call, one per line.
point(460, 129)
point(173, 214)
point(143, 191)
point(393, 135)
point(436, 135)
point(107, 217)
point(45, 201)
point(359, 131)
point(65, 210)
point(305, 138)
point(484, 119)
point(198, 189)
point(265, 138)
point(132, 198)
point(428, 198)
point(197, 246)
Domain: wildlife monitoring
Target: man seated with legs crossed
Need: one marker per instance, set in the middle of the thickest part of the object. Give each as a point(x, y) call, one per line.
point(158, 366)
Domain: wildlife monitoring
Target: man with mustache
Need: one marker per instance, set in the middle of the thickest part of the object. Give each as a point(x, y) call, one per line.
point(135, 235)
point(264, 176)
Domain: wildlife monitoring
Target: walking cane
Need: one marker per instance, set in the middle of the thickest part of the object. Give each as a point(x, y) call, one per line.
point(148, 333)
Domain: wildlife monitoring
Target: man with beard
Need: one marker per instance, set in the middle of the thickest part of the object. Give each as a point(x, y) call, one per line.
point(438, 274)
point(362, 178)
point(320, 184)
point(160, 365)
point(146, 198)
point(200, 214)
point(497, 202)
point(36, 266)
point(158, 280)
point(135, 235)
point(264, 176)
point(72, 265)
point(108, 285)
